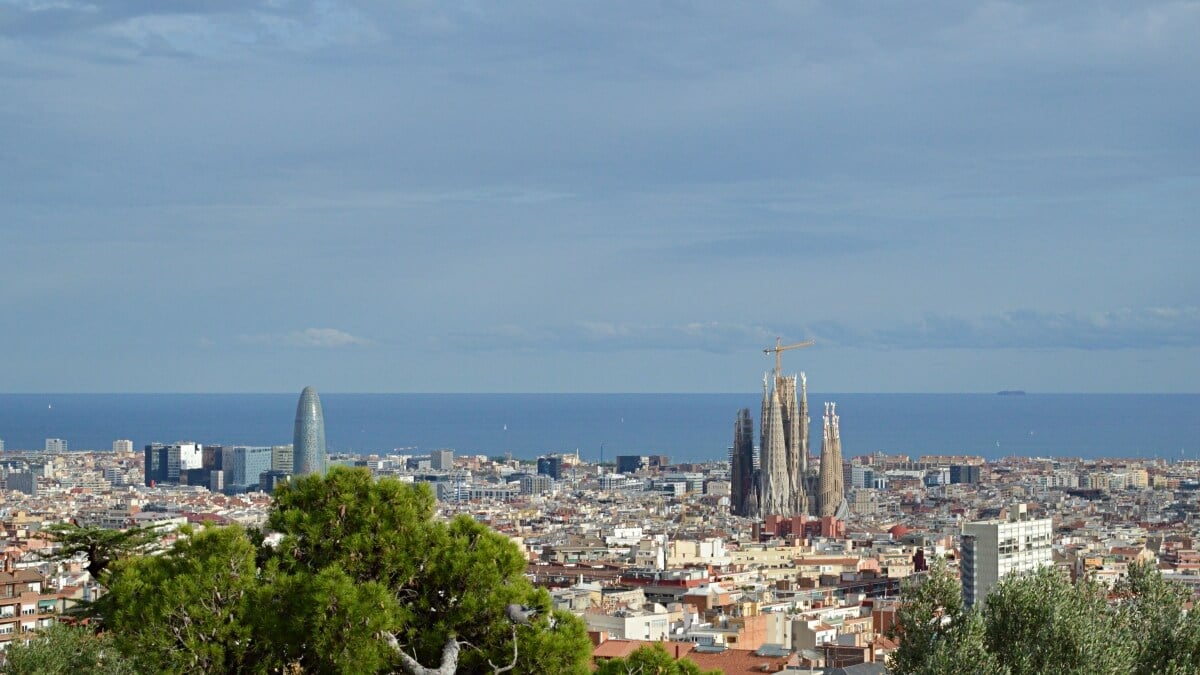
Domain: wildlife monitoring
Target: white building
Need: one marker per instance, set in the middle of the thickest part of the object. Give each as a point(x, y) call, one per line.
point(122, 446)
point(993, 549)
point(650, 622)
point(55, 445)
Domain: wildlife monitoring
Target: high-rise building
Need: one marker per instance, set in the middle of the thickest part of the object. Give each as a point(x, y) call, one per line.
point(441, 460)
point(832, 495)
point(964, 473)
point(308, 441)
point(743, 486)
point(550, 466)
point(632, 463)
point(55, 445)
point(164, 464)
point(993, 549)
point(22, 481)
point(244, 466)
point(123, 446)
point(282, 458)
point(536, 485)
point(1, 445)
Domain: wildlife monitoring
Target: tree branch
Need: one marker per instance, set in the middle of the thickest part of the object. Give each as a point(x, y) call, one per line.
point(496, 670)
point(449, 664)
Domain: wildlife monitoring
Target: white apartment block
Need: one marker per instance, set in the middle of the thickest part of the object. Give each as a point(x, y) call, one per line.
point(994, 549)
point(122, 446)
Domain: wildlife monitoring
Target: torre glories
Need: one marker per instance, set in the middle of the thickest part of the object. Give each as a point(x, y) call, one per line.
point(308, 440)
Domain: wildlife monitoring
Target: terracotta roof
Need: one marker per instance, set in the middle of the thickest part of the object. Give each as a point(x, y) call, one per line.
point(737, 661)
point(619, 649)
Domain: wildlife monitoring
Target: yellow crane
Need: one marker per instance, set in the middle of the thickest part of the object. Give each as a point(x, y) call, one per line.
point(780, 348)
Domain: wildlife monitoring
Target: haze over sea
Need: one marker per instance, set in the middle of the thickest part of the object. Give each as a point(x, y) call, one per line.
point(687, 427)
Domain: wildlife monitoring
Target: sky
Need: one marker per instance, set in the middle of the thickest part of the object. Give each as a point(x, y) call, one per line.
point(222, 196)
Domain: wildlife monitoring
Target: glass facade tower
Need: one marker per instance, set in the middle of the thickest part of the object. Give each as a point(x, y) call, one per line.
point(308, 441)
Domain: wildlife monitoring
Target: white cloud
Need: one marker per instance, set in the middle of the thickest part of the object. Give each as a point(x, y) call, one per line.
point(324, 338)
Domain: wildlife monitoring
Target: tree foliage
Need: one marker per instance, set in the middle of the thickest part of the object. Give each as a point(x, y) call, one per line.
point(1152, 606)
point(101, 546)
point(1042, 622)
point(364, 579)
point(445, 581)
point(651, 660)
point(66, 649)
point(185, 611)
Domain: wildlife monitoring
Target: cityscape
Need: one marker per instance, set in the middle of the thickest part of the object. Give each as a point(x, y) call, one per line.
point(787, 556)
point(527, 338)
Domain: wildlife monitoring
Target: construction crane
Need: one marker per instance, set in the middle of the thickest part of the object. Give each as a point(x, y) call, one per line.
point(780, 348)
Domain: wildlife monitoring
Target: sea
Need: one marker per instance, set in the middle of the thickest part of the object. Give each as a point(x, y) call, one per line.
point(687, 427)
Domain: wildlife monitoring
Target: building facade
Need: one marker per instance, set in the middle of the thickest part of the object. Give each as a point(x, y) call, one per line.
point(441, 460)
point(166, 464)
point(993, 549)
point(244, 467)
point(743, 481)
point(282, 458)
point(550, 466)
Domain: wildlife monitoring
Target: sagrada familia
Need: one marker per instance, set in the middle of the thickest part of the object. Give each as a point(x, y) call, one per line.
point(776, 480)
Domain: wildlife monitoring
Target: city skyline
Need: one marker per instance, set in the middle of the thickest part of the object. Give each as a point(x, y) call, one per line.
point(946, 197)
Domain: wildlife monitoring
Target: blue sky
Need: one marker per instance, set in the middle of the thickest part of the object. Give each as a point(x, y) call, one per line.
point(626, 196)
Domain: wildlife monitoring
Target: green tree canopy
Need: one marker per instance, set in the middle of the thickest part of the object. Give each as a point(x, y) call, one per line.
point(937, 633)
point(66, 649)
point(651, 660)
point(185, 611)
point(436, 582)
point(101, 546)
point(1042, 622)
point(363, 579)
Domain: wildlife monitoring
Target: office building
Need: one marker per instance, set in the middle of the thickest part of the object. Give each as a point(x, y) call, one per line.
point(994, 549)
point(22, 481)
point(965, 473)
point(212, 457)
point(282, 458)
point(165, 464)
point(550, 466)
point(632, 463)
point(123, 446)
point(441, 460)
point(308, 441)
point(269, 479)
point(55, 445)
point(1, 445)
point(536, 485)
point(244, 467)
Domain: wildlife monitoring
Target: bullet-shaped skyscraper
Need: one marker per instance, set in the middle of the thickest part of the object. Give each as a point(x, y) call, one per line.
point(308, 441)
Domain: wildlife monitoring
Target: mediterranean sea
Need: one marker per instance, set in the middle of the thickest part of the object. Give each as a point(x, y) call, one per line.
point(687, 427)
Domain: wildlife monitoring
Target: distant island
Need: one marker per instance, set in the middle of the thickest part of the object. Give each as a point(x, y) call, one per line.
point(1011, 392)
